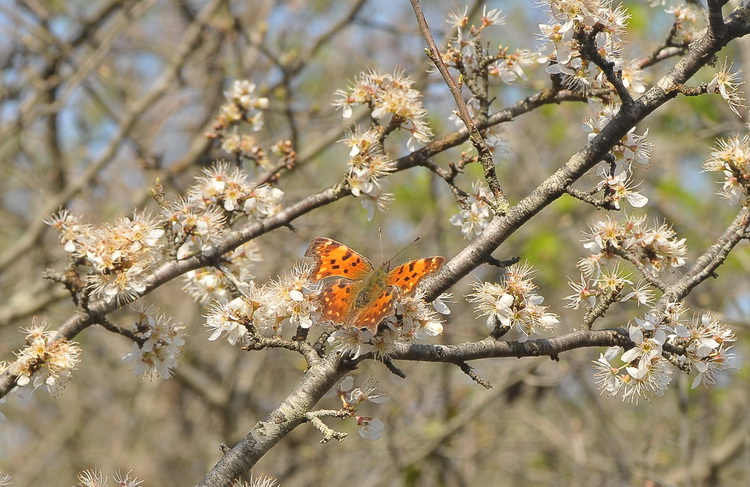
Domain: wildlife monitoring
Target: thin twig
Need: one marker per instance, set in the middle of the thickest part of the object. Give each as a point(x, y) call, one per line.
point(392, 367)
point(485, 154)
point(468, 370)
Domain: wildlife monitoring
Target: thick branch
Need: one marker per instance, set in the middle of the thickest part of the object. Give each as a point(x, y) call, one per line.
point(502, 227)
point(278, 423)
point(711, 259)
point(324, 374)
point(491, 348)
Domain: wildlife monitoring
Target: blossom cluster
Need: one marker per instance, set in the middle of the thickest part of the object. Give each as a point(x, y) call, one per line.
point(646, 369)
point(565, 55)
point(229, 189)
point(656, 248)
point(392, 101)
point(461, 50)
point(476, 213)
point(47, 360)
point(219, 196)
point(367, 164)
point(393, 104)
point(560, 49)
point(617, 184)
point(121, 255)
point(290, 300)
point(242, 107)
point(513, 303)
point(352, 397)
point(608, 284)
point(242, 104)
point(631, 149)
point(732, 157)
point(209, 283)
point(160, 343)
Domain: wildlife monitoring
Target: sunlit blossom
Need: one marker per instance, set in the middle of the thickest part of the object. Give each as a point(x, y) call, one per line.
point(392, 99)
point(47, 361)
point(731, 157)
point(293, 299)
point(352, 341)
point(231, 319)
point(512, 303)
point(370, 428)
point(476, 212)
point(727, 84)
point(163, 339)
point(583, 292)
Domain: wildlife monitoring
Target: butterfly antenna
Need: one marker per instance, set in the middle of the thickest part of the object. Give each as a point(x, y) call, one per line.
point(380, 235)
point(405, 247)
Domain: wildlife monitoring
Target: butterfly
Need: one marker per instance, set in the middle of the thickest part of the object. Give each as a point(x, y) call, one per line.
point(362, 296)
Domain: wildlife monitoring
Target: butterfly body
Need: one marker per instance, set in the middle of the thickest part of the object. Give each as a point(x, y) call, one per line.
point(371, 287)
point(361, 295)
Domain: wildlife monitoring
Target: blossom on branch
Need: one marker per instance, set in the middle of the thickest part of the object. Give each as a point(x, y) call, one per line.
point(392, 100)
point(731, 156)
point(512, 303)
point(727, 84)
point(655, 247)
point(646, 369)
point(121, 255)
point(47, 361)
point(476, 213)
point(162, 344)
point(367, 165)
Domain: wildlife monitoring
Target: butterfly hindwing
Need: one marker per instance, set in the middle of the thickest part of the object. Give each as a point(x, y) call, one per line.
point(378, 309)
point(336, 259)
point(337, 297)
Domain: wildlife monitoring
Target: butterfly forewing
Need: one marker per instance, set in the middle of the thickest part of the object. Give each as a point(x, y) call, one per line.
point(336, 259)
point(407, 276)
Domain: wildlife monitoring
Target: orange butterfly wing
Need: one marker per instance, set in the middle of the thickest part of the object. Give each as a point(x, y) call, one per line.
point(333, 258)
point(381, 307)
point(351, 299)
point(400, 281)
point(337, 297)
point(407, 276)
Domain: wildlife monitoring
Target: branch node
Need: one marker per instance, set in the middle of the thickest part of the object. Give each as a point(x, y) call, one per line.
point(502, 263)
point(468, 370)
point(392, 367)
point(328, 432)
